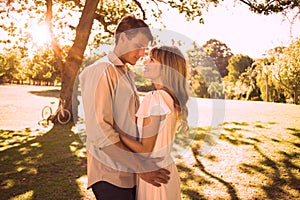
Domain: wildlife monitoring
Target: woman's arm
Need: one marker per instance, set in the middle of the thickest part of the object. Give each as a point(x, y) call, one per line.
point(150, 131)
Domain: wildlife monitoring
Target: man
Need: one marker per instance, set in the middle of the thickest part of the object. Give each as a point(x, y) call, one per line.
point(110, 102)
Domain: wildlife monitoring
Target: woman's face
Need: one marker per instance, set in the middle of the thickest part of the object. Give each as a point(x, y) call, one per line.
point(152, 69)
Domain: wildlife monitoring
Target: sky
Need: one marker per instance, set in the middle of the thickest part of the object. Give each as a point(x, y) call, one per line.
point(241, 30)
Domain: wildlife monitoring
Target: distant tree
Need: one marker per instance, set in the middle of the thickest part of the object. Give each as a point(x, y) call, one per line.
point(220, 54)
point(20, 76)
point(243, 88)
point(2, 67)
point(271, 88)
point(254, 92)
point(264, 76)
point(204, 77)
point(8, 65)
point(289, 69)
point(41, 69)
point(237, 82)
point(237, 65)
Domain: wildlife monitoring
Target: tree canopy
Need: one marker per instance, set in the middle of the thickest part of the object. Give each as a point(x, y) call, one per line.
point(238, 64)
point(289, 69)
point(220, 54)
point(271, 6)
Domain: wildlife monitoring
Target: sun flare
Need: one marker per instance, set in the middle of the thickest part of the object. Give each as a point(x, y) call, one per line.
point(40, 35)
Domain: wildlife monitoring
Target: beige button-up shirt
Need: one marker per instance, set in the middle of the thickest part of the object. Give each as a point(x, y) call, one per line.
point(110, 102)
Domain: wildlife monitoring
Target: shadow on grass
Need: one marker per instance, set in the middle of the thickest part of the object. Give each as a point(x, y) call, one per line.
point(187, 174)
point(230, 188)
point(236, 123)
point(47, 93)
point(41, 166)
point(282, 174)
point(190, 182)
point(281, 169)
point(294, 131)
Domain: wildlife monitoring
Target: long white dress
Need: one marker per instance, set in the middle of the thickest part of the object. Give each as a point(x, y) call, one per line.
point(157, 103)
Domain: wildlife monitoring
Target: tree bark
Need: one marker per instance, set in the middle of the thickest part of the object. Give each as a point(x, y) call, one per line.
point(75, 56)
point(55, 47)
point(267, 87)
point(296, 97)
point(70, 68)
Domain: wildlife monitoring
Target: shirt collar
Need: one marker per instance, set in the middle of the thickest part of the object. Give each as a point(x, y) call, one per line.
point(112, 57)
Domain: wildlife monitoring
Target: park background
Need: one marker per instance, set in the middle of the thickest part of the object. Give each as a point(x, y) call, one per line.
point(254, 153)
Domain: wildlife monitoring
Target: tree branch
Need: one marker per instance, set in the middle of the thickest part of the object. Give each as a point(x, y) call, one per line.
point(55, 47)
point(140, 7)
point(271, 6)
point(105, 24)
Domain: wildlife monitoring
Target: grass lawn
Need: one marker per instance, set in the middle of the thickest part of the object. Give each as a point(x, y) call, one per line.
point(256, 153)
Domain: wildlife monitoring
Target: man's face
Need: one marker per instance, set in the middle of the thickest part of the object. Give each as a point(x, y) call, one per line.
point(133, 49)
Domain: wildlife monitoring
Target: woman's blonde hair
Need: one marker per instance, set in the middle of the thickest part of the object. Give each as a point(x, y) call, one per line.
point(174, 74)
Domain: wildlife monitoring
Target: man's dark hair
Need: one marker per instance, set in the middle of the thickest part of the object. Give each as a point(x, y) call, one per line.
point(131, 26)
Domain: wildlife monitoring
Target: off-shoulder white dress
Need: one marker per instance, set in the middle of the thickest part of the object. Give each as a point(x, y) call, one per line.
point(157, 103)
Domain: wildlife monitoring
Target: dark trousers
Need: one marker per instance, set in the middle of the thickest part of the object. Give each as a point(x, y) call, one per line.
point(106, 191)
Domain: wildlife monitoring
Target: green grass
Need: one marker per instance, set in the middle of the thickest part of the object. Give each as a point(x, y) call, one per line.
point(245, 164)
point(41, 166)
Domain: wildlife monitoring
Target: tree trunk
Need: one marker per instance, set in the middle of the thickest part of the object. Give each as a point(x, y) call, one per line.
point(75, 55)
point(267, 88)
point(296, 97)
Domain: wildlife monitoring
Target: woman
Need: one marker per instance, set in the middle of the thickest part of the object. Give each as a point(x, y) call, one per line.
point(159, 115)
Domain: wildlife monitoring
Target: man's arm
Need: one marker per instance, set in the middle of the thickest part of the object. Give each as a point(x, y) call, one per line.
point(150, 130)
point(146, 169)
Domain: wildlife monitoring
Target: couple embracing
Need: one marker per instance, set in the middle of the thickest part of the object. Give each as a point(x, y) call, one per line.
point(129, 142)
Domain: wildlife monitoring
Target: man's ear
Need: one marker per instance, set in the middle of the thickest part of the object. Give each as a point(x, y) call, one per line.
point(123, 37)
